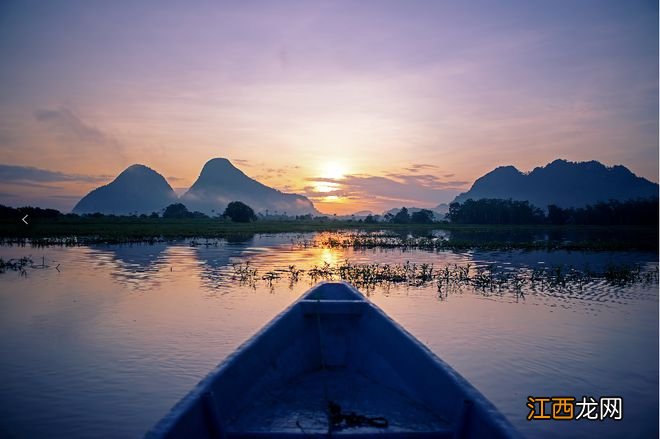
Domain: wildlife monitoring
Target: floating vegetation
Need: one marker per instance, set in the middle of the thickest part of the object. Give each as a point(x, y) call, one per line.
point(294, 273)
point(271, 276)
point(15, 265)
point(484, 278)
point(626, 274)
point(22, 264)
point(77, 241)
point(244, 272)
point(448, 242)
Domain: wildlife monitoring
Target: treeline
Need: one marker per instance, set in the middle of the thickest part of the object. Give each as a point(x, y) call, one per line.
point(422, 216)
point(633, 212)
point(235, 211)
point(483, 211)
point(11, 214)
point(497, 211)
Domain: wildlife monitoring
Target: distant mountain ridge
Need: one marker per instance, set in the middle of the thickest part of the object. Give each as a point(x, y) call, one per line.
point(563, 183)
point(138, 189)
point(220, 182)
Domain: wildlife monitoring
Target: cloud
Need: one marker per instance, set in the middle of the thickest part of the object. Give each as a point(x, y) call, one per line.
point(274, 173)
point(76, 134)
point(63, 203)
point(384, 192)
point(426, 180)
point(34, 176)
point(173, 178)
point(241, 162)
point(67, 123)
point(418, 167)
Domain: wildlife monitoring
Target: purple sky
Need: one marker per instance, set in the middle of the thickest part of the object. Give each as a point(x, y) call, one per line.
point(359, 105)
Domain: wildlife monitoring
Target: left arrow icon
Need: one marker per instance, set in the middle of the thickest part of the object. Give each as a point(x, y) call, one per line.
point(24, 219)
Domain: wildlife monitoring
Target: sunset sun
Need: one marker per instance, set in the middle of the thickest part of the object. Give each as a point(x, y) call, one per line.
point(333, 170)
point(329, 172)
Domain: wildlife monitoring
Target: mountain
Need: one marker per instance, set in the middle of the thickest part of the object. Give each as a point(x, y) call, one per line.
point(564, 183)
point(220, 182)
point(138, 189)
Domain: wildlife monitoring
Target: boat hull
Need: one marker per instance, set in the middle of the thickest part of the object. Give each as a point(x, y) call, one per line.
point(333, 346)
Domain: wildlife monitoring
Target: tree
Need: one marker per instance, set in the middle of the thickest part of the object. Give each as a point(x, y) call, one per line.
point(557, 215)
point(423, 216)
point(176, 210)
point(401, 217)
point(239, 212)
point(370, 219)
point(454, 213)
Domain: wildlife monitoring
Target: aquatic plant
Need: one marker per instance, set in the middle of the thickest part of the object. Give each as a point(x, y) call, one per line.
point(15, 265)
point(470, 239)
point(243, 271)
point(485, 279)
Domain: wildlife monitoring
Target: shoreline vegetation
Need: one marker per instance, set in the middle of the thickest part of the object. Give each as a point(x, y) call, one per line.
point(63, 231)
point(484, 224)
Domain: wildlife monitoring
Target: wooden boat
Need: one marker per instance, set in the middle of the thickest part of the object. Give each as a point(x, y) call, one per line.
point(333, 364)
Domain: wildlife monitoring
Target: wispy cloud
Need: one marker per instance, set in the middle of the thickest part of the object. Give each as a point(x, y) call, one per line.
point(29, 174)
point(277, 177)
point(426, 180)
point(67, 123)
point(60, 202)
point(67, 138)
point(173, 178)
point(32, 186)
point(418, 167)
point(241, 162)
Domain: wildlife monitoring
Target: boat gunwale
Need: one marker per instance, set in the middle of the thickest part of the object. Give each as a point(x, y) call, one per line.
point(471, 393)
point(196, 393)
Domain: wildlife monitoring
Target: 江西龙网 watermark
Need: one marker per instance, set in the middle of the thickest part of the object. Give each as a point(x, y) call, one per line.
point(569, 408)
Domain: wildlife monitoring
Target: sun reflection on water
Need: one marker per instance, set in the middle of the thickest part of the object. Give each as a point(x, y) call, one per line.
point(329, 256)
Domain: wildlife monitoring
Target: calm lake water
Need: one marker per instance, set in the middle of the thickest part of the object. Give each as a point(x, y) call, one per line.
point(106, 345)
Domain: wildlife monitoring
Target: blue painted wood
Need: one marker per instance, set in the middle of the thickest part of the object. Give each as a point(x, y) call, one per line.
point(332, 345)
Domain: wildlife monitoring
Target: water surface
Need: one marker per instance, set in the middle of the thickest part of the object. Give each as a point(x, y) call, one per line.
point(107, 344)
